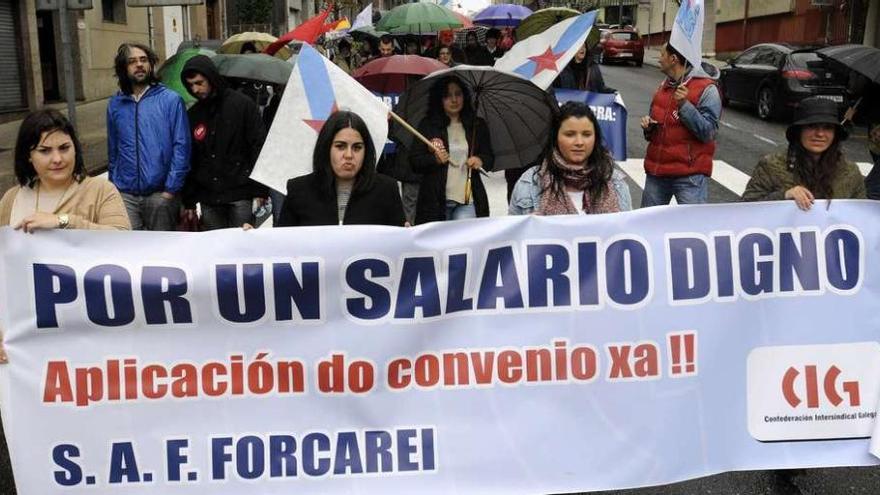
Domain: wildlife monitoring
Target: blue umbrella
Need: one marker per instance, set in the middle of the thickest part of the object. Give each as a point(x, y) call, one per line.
point(502, 15)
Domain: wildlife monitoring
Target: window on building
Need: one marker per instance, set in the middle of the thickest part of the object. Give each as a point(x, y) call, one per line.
point(113, 11)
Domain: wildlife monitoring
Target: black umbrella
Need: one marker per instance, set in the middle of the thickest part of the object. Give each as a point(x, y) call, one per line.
point(518, 113)
point(859, 58)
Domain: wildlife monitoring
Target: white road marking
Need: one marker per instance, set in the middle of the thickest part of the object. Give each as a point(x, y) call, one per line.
point(725, 174)
point(730, 177)
point(731, 126)
point(865, 167)
point(635, 169)
point(768, 141)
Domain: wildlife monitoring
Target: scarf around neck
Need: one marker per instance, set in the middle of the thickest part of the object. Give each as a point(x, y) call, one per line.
point(574, 176)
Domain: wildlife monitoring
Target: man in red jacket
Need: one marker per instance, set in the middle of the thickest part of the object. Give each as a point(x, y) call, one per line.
point(681, 130)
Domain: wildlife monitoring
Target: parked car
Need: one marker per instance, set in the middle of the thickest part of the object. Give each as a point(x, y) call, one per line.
point(621, 45)
point(775, 77)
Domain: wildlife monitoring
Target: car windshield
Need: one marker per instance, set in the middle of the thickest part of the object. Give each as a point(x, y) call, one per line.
point(624, 36)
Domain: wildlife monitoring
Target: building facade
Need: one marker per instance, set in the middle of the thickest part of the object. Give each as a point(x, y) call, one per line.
point(31, 49)
point(733, 25)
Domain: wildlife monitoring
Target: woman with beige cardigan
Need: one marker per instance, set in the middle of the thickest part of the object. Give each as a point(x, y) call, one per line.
point(53, 190)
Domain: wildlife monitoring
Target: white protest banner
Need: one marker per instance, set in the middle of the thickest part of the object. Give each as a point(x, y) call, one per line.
point(500, 355)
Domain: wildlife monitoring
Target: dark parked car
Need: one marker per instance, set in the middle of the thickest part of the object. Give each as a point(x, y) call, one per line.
point(621, 45)
point(775, 77)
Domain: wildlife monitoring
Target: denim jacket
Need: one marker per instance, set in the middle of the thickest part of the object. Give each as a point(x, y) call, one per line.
point(526, 195)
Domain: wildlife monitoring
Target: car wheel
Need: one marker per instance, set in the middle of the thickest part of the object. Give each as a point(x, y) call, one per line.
point(766, 103)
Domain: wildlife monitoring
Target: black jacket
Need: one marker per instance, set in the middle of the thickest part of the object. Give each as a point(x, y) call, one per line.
point(478, 55)
point(377, 205)
point(227, 134)
point(584, 76)
point(431, 205)
point(498, 53)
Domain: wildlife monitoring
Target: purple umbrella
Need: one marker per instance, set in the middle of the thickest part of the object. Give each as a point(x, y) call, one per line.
point(502, 15)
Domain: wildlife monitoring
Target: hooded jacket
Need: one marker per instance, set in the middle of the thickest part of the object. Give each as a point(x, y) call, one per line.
point(148, 146)
point(227, 135)
point(684, 141)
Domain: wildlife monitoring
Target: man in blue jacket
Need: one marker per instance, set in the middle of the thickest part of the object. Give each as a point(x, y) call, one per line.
point(148, 141)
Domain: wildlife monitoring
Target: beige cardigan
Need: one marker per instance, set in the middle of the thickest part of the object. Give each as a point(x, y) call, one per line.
point(92, 204)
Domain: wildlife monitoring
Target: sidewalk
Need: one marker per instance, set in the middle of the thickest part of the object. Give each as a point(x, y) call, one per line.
point(91, 128)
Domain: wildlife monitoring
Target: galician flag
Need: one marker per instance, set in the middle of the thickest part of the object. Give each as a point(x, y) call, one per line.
point(315, 90)
point(687, 32)
point(365, 18)
point(540, 58)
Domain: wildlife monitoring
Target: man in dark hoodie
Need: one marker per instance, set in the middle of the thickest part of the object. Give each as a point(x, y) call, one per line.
point(227, 135)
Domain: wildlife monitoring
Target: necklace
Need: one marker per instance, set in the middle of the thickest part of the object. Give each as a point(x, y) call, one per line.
point(37, 206)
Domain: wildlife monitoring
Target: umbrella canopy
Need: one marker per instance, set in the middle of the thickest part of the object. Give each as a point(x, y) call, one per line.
point(366, 32)
point(465, 22)
point(389, 75)
point(541, 21)
point(261, 41)
point(418, 18)
point(461, 35)
point(170, 71)
point(859, 58)
point(254, 66)
point(518, 113)
point(502, 15)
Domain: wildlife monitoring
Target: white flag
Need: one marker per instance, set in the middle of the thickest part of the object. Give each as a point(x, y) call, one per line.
point(316, 89)
point(540, 58)
point(687, 32)
point(365, 18)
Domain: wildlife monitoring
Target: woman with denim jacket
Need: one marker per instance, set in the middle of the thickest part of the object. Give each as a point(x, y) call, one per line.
point(577, 174)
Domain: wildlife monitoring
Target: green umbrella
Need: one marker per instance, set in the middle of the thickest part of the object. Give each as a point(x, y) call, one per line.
point(362, 33)
point(542, 20)
point(170, 71)
point(254, 66)
point(417, 18)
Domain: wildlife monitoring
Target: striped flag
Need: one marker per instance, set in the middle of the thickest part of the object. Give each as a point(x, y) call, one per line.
point(540, 58)
point(316, 89)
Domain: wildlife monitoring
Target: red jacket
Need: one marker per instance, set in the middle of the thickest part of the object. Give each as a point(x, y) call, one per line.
point(673, 150)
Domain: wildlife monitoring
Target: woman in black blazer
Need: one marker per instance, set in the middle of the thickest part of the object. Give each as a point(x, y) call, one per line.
point(451, 187)
point(344, 188)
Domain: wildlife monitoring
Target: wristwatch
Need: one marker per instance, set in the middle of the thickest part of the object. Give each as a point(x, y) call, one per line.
point(63, 221)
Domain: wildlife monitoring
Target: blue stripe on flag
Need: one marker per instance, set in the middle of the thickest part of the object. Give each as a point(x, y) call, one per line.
point(316, 82)
point(571, 34)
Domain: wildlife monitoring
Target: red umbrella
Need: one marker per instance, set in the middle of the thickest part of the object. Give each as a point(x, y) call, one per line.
point(389, 75)
point(307, 32)
point(465, 21)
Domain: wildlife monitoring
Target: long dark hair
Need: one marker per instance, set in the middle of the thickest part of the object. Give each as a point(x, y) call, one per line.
point(817, 176)
point(120, 65)
point(599, 163)
point(321, 166)
point(29, 134)
point(435, 101)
